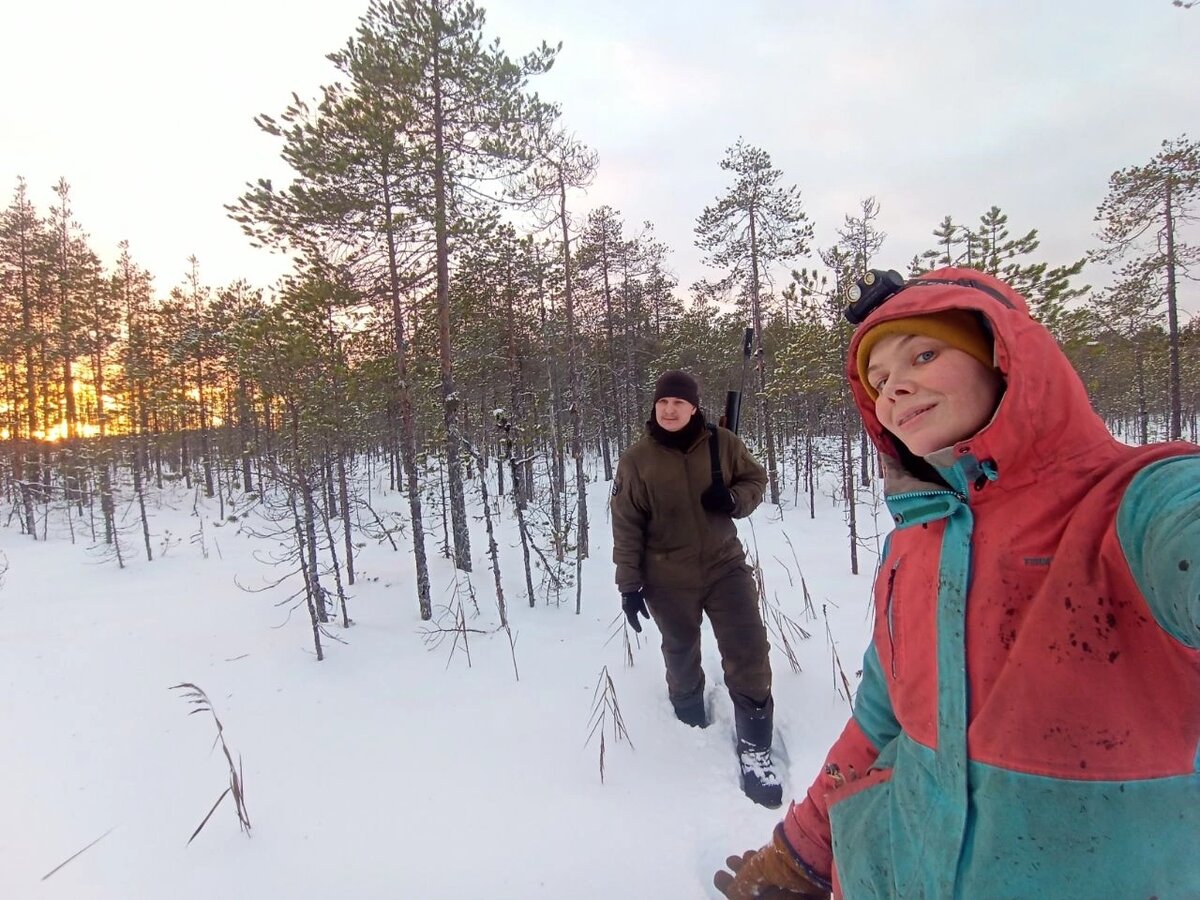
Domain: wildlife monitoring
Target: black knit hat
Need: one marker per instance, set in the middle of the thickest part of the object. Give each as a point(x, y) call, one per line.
point(675, 383)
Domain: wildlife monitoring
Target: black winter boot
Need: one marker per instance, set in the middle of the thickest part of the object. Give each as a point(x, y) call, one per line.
point(691, 711)
point(760, 781)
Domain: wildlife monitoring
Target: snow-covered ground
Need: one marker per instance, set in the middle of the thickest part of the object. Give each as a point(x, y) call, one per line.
point(393, 768)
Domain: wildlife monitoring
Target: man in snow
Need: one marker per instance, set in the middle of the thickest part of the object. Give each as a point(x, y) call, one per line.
point(676, 493)
point(1029, 714)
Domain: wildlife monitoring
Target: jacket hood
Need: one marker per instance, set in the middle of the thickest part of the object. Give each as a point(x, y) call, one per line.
point(1044, 413)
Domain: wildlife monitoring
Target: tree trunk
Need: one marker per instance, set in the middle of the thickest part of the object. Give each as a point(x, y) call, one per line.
point(849, 489)
point(764, 407)
point(310, 541)
point(573, 379)
point(450, 400)
point(864, 459)
point(1140, 386)
point(347, 531)
point(205, 431)
point(554, 462)
point(408, 438)
point(140, 493)
point(516, 411)
point(506, 443)
point(243, 429)
point(29, 523)
point(337, 569)
point(616, 412)
point(1176, 426)
point(493, 550)
point(310, 589)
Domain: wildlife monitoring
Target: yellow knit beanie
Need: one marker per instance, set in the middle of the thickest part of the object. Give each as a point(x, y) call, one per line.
point(957, 327)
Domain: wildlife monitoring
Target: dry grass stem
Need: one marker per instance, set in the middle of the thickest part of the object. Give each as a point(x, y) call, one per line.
point(838, 671)
point(784, 631)
point(605, 709)
point(196, 697)
point(620, 627)
point(78, 853)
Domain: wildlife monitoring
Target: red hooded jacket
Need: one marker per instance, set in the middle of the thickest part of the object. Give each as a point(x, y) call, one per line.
point(1028, 724)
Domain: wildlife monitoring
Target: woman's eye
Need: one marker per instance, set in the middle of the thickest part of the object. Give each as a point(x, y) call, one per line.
point(926, 355)
point(879, 385)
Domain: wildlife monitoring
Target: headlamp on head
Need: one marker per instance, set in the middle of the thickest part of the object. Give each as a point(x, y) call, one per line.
point(870, 291)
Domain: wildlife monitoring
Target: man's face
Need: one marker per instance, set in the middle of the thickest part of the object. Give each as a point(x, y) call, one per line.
point(672, 414)
point(931, 394)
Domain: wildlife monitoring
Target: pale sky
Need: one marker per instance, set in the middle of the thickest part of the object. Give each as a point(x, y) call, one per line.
point(932, 106)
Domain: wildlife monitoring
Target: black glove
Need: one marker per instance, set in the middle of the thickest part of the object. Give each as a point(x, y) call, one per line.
point(717, 499)
point(634, 602)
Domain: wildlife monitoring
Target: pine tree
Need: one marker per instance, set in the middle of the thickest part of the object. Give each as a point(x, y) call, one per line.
point(998, 249)
point(991, 248)
point(196, 351)
point(561, 163)
point(756, 224)
point(861, 239)
point(398, 167)
point(469, 121)
point(23, 242)
point(860, 236)
point(598, 258)
point(1128, 312)
point(1047, 288)
point(1141, 217)
point(75, 282)
point(949, 235)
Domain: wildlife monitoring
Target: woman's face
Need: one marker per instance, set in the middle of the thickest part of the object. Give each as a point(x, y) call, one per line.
point(931, 394)
point(672, 414)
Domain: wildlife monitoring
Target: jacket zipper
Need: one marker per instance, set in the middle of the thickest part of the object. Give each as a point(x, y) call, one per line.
point(891, 588)
point(890, 622)
point(934, 493)
point(899, 519)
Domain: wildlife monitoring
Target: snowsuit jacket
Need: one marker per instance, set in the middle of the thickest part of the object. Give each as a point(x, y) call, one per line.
point(662, 536)
point(1028, 723)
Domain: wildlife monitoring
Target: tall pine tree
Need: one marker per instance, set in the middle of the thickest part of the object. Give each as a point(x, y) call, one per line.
point(756, 224)
point(1141, 218)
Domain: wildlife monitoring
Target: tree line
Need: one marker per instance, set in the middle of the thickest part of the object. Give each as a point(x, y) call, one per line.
point(451, 320)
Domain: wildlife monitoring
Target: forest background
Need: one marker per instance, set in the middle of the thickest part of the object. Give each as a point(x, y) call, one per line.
point(450, 295)
point(459, 327)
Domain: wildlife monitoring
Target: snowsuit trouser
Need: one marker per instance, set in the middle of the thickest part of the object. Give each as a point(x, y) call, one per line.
point(731, 603)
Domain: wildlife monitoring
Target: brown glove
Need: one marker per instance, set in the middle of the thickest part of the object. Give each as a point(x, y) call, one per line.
point(772, 873)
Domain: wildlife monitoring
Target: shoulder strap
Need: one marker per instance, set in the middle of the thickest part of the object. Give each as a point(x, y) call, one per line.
point(714, 451)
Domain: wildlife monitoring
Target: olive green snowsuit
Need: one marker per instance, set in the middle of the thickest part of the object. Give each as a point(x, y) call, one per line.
point(690, 561)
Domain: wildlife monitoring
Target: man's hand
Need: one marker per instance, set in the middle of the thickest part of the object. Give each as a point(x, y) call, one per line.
point(634, 602)
point(718, 499)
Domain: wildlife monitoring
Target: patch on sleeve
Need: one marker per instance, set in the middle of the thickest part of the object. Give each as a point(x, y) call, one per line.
point(616, 486)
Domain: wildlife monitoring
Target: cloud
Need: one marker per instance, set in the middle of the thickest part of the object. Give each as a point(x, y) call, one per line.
point(932, 106)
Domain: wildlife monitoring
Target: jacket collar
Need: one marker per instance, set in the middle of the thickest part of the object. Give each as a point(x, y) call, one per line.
point(684, 439)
